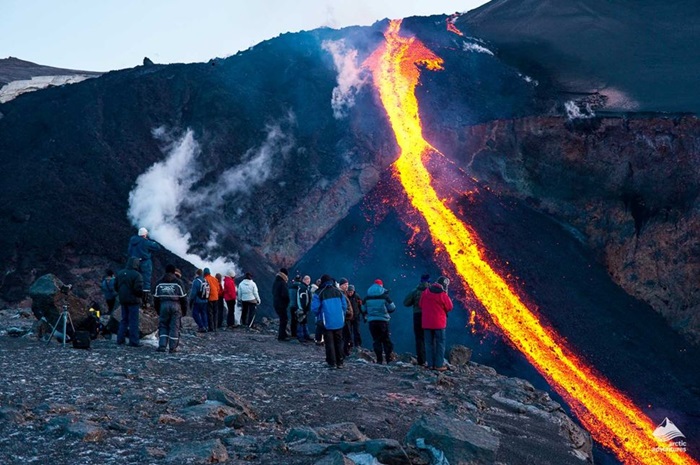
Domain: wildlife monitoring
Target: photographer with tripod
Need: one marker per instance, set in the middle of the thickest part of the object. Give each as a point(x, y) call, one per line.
point(129, 286)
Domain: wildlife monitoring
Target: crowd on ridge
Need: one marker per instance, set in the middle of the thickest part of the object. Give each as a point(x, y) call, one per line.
point(335, 305)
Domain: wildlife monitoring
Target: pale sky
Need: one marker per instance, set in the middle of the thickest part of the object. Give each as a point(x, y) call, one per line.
point(102, 35)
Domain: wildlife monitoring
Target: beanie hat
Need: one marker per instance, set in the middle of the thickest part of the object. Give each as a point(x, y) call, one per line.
point(443, 281)
point(325, 278)
point(143, 232)
point(284, 270)
point(378, 281)
point(170, 268)
point(231, 273)
point(351, 287)
point(342, 281)
point(206, 271)
point(425, 278)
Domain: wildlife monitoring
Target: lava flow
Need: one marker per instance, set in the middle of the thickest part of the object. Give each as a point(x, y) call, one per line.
point(612, 419)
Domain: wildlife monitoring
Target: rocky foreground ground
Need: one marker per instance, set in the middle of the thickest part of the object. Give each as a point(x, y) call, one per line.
point(242, 397)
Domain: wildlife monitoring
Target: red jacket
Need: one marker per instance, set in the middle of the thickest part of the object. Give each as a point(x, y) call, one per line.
point(435, 304)
point(229, 288)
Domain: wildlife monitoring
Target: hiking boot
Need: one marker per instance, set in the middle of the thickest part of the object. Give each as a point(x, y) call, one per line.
point(172, 351)
point(160, 349)
point(138, 344)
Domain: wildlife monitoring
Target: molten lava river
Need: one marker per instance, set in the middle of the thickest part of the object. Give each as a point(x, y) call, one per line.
point(612, 419)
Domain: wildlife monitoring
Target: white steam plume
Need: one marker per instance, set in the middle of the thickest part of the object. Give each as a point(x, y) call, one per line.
point(257, 167)
point(154, 203)
point(350, 76)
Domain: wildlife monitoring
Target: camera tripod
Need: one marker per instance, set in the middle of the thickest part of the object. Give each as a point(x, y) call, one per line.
point(65, 318)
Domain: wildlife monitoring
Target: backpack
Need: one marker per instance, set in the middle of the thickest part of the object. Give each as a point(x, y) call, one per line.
point(204, 289)
point(169, 291)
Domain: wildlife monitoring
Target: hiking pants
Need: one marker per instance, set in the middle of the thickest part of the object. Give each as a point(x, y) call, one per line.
point(247, 313)
point(231, 315)
point(382, 340)
point(199, 313)
point(334, 346)
point(130, 324)
point(284, 319)
point(169, 325)
point(435, 342)
point(212, 311)
point(420, 337)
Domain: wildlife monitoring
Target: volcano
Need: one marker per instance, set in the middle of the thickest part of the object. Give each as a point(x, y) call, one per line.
point(427, 145)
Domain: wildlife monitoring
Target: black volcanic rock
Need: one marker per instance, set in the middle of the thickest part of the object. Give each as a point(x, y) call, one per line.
point(158, 404)
point(640, 55)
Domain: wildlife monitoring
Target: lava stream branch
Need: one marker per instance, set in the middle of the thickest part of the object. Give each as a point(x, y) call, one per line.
point(612, 419)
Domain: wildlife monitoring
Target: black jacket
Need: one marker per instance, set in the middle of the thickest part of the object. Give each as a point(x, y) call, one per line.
point(280, 294)
point(171, 278)
point(129, 283)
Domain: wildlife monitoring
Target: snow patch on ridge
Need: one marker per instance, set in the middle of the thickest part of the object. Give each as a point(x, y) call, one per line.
point(16, 88)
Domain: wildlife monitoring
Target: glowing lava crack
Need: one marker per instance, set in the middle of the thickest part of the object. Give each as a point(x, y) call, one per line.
point(612, 419)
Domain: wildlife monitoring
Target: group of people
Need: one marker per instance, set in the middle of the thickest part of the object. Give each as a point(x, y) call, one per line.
point(336, 306)
point(338, 309)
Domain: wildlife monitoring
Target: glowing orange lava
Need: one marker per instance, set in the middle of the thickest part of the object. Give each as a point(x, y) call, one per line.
point(451, 25)
point(612, 419)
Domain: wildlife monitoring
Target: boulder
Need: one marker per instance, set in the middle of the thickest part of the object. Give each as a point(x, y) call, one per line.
point(212, 451)
point(49, 296)
point(231, 399)
point(340, 432)
point(461, 441)
point(335, 458)
point(148, 321)
point(460, 356)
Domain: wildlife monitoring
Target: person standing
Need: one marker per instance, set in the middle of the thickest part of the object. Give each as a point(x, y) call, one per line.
point(357, 313)
point(213, 301)
point(108, 291)
point(199, 301)
point(280, 302)
point(250, 299)
point(129, 286)
point(220, 302)
point(413, 300)
point(303, 298)
point(378, 305)
point(140, 246)
point(343, 285)
point(329, 305)
point(230, 294)
point(435, 304)
point(171, 304)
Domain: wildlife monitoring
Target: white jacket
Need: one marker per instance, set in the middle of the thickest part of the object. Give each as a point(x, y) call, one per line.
point(248, 291)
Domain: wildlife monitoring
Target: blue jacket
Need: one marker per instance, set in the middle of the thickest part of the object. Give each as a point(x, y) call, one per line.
point(141, 247)
point(329, 304)
point(194, 292)
point(107, 287)
point(378, 305)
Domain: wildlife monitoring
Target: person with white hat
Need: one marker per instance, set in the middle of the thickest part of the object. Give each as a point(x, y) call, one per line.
point(141, 247)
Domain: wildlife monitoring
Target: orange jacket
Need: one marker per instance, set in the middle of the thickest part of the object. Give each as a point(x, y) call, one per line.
point(214, 288)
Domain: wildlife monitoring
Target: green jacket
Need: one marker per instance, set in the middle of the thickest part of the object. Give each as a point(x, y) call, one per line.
point(413, 297)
